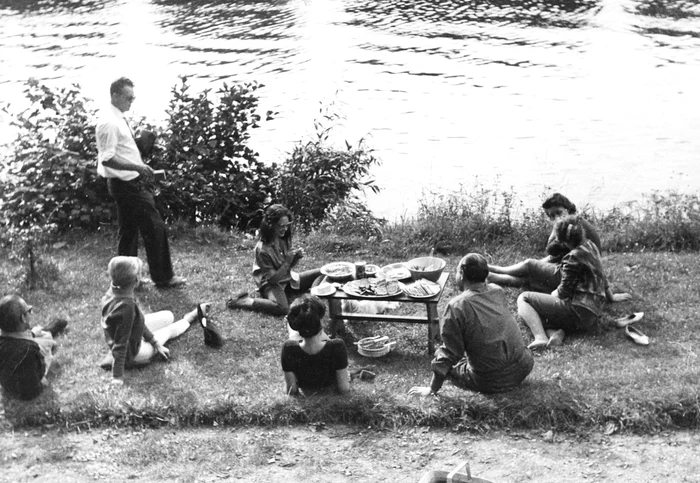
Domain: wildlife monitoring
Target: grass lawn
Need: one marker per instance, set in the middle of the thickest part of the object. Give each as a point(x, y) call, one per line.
point(595, 380)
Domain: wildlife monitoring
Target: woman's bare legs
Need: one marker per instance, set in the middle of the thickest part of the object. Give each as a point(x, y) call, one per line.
point(534, 322)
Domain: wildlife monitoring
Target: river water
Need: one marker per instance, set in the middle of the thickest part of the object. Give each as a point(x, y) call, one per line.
point(596, 99)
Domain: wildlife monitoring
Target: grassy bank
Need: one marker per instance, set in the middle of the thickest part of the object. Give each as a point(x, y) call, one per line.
point(600, 380)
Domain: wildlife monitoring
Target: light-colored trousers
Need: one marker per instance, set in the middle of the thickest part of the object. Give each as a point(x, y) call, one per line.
point(163, 326)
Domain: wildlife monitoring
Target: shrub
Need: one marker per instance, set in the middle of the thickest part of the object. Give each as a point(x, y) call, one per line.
point(659, 221)
point(317, 178)
point(478, 216)
point(213, 176)
point(50, 175)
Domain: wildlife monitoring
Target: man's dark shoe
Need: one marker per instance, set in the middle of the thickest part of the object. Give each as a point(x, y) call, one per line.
point(56, 326)
point(172, 283)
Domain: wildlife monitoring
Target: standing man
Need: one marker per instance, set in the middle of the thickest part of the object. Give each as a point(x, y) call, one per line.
point(482, 347)
point(128, 177)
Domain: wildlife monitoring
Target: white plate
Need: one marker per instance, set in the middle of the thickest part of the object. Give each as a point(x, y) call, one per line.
point(354, 288)
point(396, 271)
point(339, 270)
point(413, 291)
point(323, 290)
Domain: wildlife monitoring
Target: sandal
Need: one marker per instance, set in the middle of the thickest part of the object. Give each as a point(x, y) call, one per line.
point(623, 322)
point(234, 302)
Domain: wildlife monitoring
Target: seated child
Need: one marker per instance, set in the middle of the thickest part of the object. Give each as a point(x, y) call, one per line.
point(25, 354)
point(125, 326)
point(316, 363)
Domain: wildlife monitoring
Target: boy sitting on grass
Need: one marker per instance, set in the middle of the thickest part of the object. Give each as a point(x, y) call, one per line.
point(316, 363)
point(25, 353)
point(482, 347)
point(125, 326)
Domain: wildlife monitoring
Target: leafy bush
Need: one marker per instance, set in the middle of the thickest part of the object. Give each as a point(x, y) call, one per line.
point(478, 216)
point(213, 176)
point(317, 178)
point(659, 221)
point(50, 175)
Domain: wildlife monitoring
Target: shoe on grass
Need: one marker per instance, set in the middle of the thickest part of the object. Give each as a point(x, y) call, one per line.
point(56, 326)
point(623, 322)
point(107, 361)
point(636, 335)
point(172, 283)
point(237, 301)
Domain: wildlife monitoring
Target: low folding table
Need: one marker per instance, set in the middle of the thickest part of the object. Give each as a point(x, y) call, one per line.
point(431, 317)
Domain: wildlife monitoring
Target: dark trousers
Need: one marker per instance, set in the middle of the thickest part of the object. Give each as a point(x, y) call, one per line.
point(136, 212)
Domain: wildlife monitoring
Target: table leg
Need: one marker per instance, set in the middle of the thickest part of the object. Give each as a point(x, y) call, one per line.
point(335, 313)
point(433, 327)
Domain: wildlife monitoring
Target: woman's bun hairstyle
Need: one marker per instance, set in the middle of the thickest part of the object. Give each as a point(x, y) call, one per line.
point(305, 315)
point(570, 230)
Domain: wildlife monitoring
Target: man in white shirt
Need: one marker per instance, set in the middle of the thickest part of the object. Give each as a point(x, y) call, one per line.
point(128, 178)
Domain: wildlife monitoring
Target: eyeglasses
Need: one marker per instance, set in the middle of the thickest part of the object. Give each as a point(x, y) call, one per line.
point(28, 310)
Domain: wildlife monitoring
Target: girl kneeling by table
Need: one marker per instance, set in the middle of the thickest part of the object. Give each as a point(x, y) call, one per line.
point(275, 259)
point(316, 363)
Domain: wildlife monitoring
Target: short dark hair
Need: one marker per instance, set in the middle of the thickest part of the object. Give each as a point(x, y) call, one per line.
point(305, 315)
point(473, 268)
point(569, 229)
point(118, 85)
point(273, 214)
point(557, 200)
point(11, 311)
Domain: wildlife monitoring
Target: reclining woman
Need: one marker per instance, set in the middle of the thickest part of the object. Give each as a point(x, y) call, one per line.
point(577, 302)
point(272, 270)
point(544, 274)
point(317, 364)
point(134, 339)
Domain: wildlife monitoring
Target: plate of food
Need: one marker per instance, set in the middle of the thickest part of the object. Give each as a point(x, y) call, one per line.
point(323, 290)
point(420, 289)
point(339, 270)
point(396, 271)
point(372, 288)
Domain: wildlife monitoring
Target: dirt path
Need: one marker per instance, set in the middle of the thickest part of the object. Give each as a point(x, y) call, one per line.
point(340, 454)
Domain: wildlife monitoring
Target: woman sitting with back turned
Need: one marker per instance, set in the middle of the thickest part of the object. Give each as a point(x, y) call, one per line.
point(316, 364)
point(544, 274)
point(577, 302)
point(272, 270)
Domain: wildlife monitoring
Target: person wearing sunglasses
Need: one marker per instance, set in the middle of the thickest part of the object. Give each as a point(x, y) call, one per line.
point(275, 259)
point(26, 353)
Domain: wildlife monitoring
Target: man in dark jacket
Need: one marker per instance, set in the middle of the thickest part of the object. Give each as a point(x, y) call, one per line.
point(25, 354)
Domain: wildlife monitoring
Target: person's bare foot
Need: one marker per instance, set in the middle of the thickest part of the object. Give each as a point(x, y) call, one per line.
point(538, 344)
point(556, 338)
